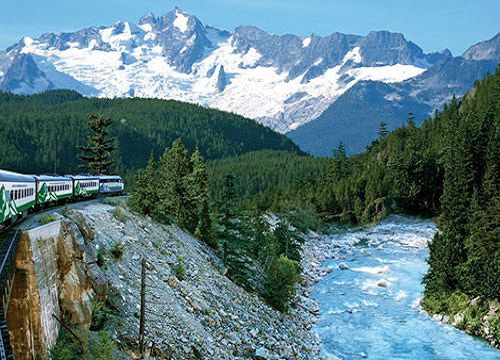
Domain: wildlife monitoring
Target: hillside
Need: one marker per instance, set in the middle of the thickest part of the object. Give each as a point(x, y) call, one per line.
point(40, 133)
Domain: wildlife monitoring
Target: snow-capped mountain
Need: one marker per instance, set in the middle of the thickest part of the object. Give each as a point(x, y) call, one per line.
point(282, 81)
point(353, 119)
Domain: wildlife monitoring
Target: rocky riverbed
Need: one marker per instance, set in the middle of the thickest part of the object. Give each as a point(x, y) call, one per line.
point(201, 315)
point(367, 288)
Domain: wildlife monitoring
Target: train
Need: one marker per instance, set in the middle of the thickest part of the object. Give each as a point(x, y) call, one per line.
point(22, 194)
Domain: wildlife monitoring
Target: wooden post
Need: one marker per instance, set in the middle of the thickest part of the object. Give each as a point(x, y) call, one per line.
point(143, 309)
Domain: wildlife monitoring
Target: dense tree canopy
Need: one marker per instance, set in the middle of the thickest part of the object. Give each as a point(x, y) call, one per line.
point(40, 133)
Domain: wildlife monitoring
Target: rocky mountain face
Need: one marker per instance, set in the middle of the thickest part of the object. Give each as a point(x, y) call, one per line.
point(282, 81)
point(353, 119)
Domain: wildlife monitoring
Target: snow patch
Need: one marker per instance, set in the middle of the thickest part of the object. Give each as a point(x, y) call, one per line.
point(387, 74)
point(181, 22)
point(392, 97)
point(353, 55)
point(306, 42)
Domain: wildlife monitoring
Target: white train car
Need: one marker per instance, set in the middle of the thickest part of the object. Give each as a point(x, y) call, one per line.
point(85, 185)
point(51, 189)
point(17, 195)
point(110, 184)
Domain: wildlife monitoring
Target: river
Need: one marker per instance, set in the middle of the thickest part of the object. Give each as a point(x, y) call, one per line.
point(371, 309)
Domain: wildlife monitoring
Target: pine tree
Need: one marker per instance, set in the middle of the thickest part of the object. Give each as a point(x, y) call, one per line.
point(200, 197)
point(280, 280)
point(97, 156)
point(227, 223)
point(174, 201)
point(145, 196)
point(382, 130)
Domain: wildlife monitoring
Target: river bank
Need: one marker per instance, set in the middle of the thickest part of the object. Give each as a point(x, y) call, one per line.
point(365, 285)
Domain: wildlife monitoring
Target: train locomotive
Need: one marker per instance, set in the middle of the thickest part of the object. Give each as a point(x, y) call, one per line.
point(22, 194)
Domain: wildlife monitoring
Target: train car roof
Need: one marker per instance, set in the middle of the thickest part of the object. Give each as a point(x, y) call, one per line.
point(109, 177)
point(9, 176)
point(83, 177)
point(52, 178)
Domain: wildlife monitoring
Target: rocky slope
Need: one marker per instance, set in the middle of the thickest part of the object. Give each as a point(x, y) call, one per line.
point(204, 315)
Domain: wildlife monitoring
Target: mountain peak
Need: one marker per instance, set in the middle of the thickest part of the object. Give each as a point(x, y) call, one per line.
point(485, 50)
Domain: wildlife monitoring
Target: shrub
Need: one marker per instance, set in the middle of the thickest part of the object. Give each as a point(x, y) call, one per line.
point(99, 315)
point(117, 250)
point(120, 214)
point(101, 261)
point(180, 268)
point(47, 219)
point(92, 346)
point(65, 211)
point(280, 280)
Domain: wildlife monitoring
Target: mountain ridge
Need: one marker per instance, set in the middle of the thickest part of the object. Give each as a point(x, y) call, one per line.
point(282, 81)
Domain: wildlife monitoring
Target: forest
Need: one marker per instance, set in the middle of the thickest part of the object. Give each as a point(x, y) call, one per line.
point(242, 172)
point(446, 169)
point(41, 133)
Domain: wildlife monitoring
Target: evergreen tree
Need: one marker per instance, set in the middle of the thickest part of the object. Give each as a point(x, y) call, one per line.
point(382, 130)
point(280, 280)
point(227, 223)
point(174, 200)
point(145, 196)
point(200, 197)
point(97, 155)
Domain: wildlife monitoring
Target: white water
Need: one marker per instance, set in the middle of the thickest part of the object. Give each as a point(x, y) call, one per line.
point(372, 309)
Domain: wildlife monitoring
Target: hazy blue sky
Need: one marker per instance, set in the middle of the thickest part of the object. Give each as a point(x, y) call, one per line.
point(432, 24)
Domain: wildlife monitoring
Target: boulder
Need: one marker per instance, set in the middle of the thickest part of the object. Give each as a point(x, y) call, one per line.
point(262, 354)
point(343, 266)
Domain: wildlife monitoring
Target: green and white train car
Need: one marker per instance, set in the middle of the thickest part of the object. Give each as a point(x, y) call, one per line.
point(17, 195)
point(85, 186)
point(50, 189)
point(110, 184)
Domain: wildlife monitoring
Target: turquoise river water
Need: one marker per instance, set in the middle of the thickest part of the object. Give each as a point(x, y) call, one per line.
point(371, 310)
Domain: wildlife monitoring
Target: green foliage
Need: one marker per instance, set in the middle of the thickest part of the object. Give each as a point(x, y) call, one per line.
point(99, 315)
point(180, 268)
point(101, 261)
point(465, 254)
point(444, 303)
point(120, 214)
point(176, 190)
point(92, 346)
point(141, 127)
point(174, 201)
point(97, 155)
point(117, 250)
point(46, 219)
point(280, 280)
point(145, 196)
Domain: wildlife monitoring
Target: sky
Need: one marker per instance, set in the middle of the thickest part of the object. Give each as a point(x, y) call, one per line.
point(432, 24)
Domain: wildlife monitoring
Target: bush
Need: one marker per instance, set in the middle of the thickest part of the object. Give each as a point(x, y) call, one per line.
point(444, 303)
point(47, 219)
point(280, 280)
point(92, 346)
point(120, 214)
point(117, 250)
point(114, 201)
point(180, 268)
point(305, 219)
point(101, 261)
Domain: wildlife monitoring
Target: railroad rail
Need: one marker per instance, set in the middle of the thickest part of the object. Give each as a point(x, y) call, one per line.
point(8, 246)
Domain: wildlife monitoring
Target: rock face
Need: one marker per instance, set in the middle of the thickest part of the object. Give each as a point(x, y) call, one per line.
point(55, 275)
point(204, 315)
